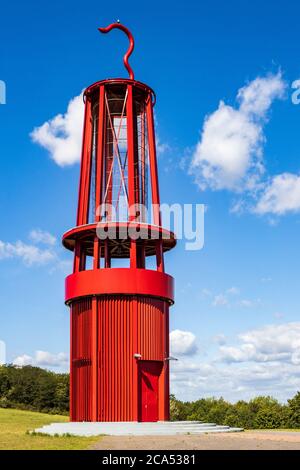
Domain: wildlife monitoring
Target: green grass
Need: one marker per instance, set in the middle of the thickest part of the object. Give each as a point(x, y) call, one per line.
point(14, 435)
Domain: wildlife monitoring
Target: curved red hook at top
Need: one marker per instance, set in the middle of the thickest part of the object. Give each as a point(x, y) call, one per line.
point(131, 44)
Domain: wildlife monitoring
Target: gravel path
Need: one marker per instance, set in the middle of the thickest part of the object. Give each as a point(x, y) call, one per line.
point(250, 440)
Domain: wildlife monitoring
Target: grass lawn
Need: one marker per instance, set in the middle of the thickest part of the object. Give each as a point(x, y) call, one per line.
point(15, 423)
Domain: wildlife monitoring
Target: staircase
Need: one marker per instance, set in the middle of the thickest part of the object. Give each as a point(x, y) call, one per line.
point(163, 428)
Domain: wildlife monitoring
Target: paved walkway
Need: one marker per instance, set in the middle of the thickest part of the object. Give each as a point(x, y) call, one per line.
point(250, 440)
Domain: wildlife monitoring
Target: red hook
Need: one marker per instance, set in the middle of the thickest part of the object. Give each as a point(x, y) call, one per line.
point(131, 44)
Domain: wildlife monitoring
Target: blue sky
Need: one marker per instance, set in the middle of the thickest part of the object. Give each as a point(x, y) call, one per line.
point(236, 317)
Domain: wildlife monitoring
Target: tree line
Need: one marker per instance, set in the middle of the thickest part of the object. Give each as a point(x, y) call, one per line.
point(263, 412)
point(36, 389)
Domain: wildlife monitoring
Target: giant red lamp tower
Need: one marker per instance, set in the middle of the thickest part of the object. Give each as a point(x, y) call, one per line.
point(119, 314)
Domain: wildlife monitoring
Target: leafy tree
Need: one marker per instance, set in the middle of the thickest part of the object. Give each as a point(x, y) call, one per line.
point(294, 405)
point(177, 409)
point(267, 418)
point(34, 388)
point(62, 398)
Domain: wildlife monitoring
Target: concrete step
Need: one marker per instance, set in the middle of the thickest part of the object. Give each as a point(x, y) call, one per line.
point(134, 429)
point(137, 425)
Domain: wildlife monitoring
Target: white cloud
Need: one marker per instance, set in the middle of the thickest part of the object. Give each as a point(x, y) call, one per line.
point(266, 279)
point(23, 360)
point(220, 300)
point(280, 195)
point(42, 359)
point(41, 236)
point(234, 381)
point(161, 147)
point(220, 339)
point(29, 254)
point(206, 292)
point(257, 97)
point(62, 135)
point(229, 154)
point(183, 342)
point(244, 353)
point(267, 344)
point(278, 315)
point(63, 265)
point(246, 303)
point(265, 363)
point(230, 298)
point(233, 291)
point(223, 156)
point(45, 358)
point(33, 255)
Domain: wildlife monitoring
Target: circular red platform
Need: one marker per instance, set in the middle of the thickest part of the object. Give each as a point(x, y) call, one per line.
point(119, 235)
point(121, 281)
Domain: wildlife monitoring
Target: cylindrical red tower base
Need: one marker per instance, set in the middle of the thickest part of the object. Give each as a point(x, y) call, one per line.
point(119, 345)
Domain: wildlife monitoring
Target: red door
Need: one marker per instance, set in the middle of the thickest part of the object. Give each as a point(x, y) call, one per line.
point(149, 372)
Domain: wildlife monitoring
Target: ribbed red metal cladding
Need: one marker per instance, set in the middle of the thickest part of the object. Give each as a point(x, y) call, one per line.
point(117, 317)
point(81, 366)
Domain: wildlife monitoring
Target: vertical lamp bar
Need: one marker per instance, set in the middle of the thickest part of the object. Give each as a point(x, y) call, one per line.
point(154, 181)
point(131, 171)
point(99, 170)
point(88, 160)
point(84, 188)
point(153, 162)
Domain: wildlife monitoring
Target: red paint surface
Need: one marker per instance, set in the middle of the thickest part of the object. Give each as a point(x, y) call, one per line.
point(149, 372)
point(117, 393)
point(119, 281)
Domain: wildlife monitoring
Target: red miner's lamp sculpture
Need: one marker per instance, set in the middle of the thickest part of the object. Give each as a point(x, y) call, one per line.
point(119, 315)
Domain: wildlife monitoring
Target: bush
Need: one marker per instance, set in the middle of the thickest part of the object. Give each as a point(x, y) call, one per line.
point(267, 418)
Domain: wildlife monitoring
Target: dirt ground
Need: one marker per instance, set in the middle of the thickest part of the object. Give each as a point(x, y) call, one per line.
point(249, 440)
